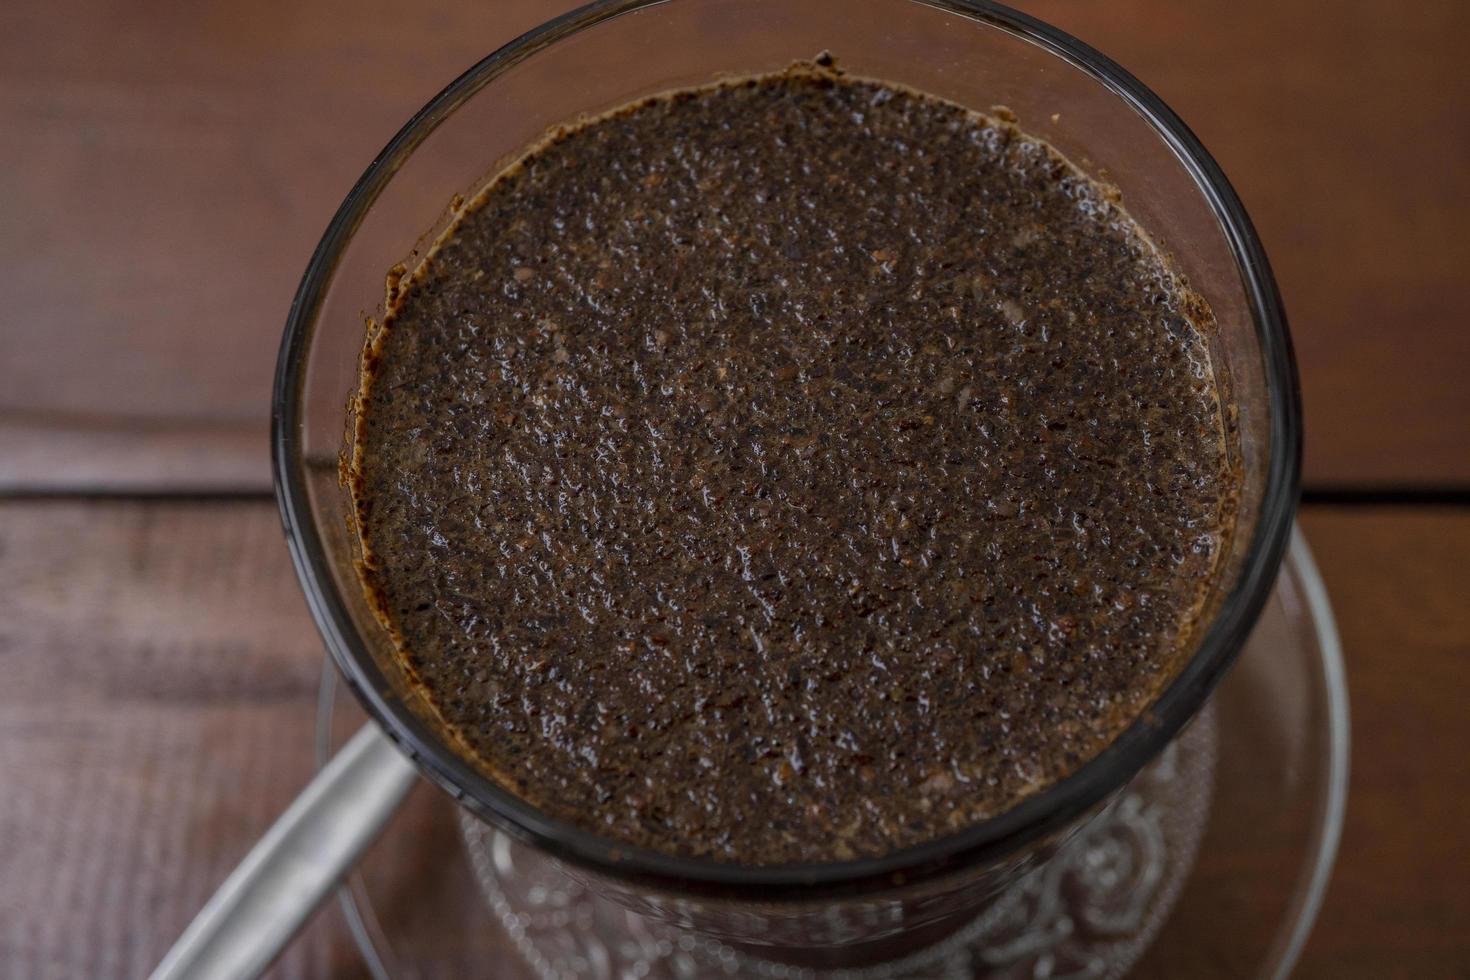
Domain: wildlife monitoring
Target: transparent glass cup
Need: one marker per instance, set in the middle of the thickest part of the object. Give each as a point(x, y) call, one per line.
point(609, 53)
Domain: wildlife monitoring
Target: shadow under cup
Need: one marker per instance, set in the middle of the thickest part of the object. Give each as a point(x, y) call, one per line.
point(611, 53)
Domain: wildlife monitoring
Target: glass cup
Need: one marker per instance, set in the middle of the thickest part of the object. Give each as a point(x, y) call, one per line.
point(609, 53)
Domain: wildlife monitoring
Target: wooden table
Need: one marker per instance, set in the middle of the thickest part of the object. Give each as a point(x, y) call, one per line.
point(167, 169)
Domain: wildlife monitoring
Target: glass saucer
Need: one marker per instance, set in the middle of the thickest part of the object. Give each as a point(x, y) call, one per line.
point(1212, 863)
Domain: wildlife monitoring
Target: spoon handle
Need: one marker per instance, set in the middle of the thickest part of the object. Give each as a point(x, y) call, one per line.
point(286, 875)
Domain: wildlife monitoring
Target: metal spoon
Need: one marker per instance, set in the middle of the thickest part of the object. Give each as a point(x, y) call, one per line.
point(265, 901)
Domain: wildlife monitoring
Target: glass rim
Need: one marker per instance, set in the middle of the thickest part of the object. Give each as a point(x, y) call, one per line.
point(1034, 817)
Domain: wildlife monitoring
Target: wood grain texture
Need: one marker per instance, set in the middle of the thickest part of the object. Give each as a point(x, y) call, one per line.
point(170, 167)
point(168, 171)
point(1345, 127)
point(1398, 906)
point(161, 676)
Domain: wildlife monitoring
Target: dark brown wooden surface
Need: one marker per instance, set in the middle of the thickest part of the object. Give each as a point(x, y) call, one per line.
point(156, 714)
point(1400, 585)
point(160, 683)
point(169, 167)
point(1343, 125)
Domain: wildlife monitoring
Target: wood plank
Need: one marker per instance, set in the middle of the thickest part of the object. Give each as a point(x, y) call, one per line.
point(1343, 130)
point(160, 679)
point(161, 676)
point(48, 455)
point(169, 169)
point(1395, 906)
point(1398, 906)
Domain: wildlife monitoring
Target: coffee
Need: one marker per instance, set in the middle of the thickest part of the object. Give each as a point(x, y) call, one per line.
point(793, 469)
